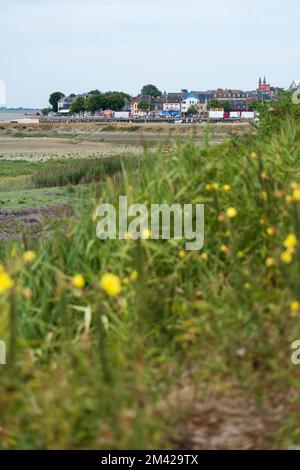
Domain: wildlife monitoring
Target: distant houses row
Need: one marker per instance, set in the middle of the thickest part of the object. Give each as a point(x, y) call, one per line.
point(180, 104)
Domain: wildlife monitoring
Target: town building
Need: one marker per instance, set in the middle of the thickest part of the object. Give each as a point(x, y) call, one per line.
point(295, 85)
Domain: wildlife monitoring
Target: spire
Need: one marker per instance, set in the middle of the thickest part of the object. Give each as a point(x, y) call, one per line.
point(259, 81)
point(265, 82)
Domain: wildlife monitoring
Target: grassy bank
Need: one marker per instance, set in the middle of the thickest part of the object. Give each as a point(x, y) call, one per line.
point(91, 363)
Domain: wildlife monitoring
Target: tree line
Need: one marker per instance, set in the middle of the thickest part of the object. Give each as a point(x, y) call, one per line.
point(96, 100)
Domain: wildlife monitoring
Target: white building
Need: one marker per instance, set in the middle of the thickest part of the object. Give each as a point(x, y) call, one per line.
point(191, 100)
point(295, 85)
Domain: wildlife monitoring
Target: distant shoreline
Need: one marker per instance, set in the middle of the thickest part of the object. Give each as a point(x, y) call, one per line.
point(22, 116)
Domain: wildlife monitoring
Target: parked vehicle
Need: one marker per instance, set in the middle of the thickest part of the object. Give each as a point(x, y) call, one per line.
point(248, 115)
point(121, 115)
point(216, 114)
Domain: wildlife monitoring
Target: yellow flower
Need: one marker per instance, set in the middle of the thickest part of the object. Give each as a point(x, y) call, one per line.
point(270, 262)
point(146, 234)
point(29, 256)
point(208, 187)
point(264, 175)
point(253, 155)
point(204, 256)
point(264, 195)
point(126, 280)
point(128, 236)
point(286, 257)
point(247, 286)
point(295, 306)
point(182, 254)
point(6, 282)
point(262, 222)
point(241, 254)
point(111, 284)
point(223, 248)
point(215, 186)
point(288, 199)
point(134, 275)
point(231, 212)
point(270, 231)
point(296, 194)
point(227, 187)
point(78, 281)
point(290, 242)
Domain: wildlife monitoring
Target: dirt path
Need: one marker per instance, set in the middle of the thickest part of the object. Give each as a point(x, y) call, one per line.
point(224, 420)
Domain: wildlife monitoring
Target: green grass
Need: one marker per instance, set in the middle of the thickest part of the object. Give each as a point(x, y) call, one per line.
point(87, 370)
point(26, 184)
point(35, 198)
point(79, 171)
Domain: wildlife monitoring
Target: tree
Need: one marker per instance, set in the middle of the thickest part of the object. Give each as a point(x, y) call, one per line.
point(79, 105)
point(115, 100)
point(96, 102)
point(226, 106)
point(214, 103)
point(151, 90)
point(193, 110)
point(46, 111)
point(145, 106)
point(54, 99)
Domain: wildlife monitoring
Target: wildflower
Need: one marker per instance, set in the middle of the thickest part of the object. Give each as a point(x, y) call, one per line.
point(231, 212)
point(29, 256)
point(78, 281)
point(134, 275)
point(264, 196)
point(295, 306)
point(204, 256)
point(290, 242)
point(182, 254)
point(208, 187)
point(270, 262)
point(264, 175)
point(288, 199)
point(126, 281)
point(215, 186)
point(296, 194)
point(253, 155)
point(6, 282)
point(111, 284)
point(27, 293)
point(146, 234)
point(128, 236)
point(247, 286)
point(262, 221)
point(241, 254)
point(286, 257)
point(223, 249)
point(227, 187)
point(270, 231)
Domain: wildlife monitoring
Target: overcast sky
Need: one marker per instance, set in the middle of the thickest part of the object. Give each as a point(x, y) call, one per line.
point(80, 45)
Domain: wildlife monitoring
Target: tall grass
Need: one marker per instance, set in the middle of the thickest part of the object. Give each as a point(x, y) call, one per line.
point(90, 369)
point(79, 171)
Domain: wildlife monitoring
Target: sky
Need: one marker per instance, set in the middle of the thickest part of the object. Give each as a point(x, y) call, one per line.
point(79, 45)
